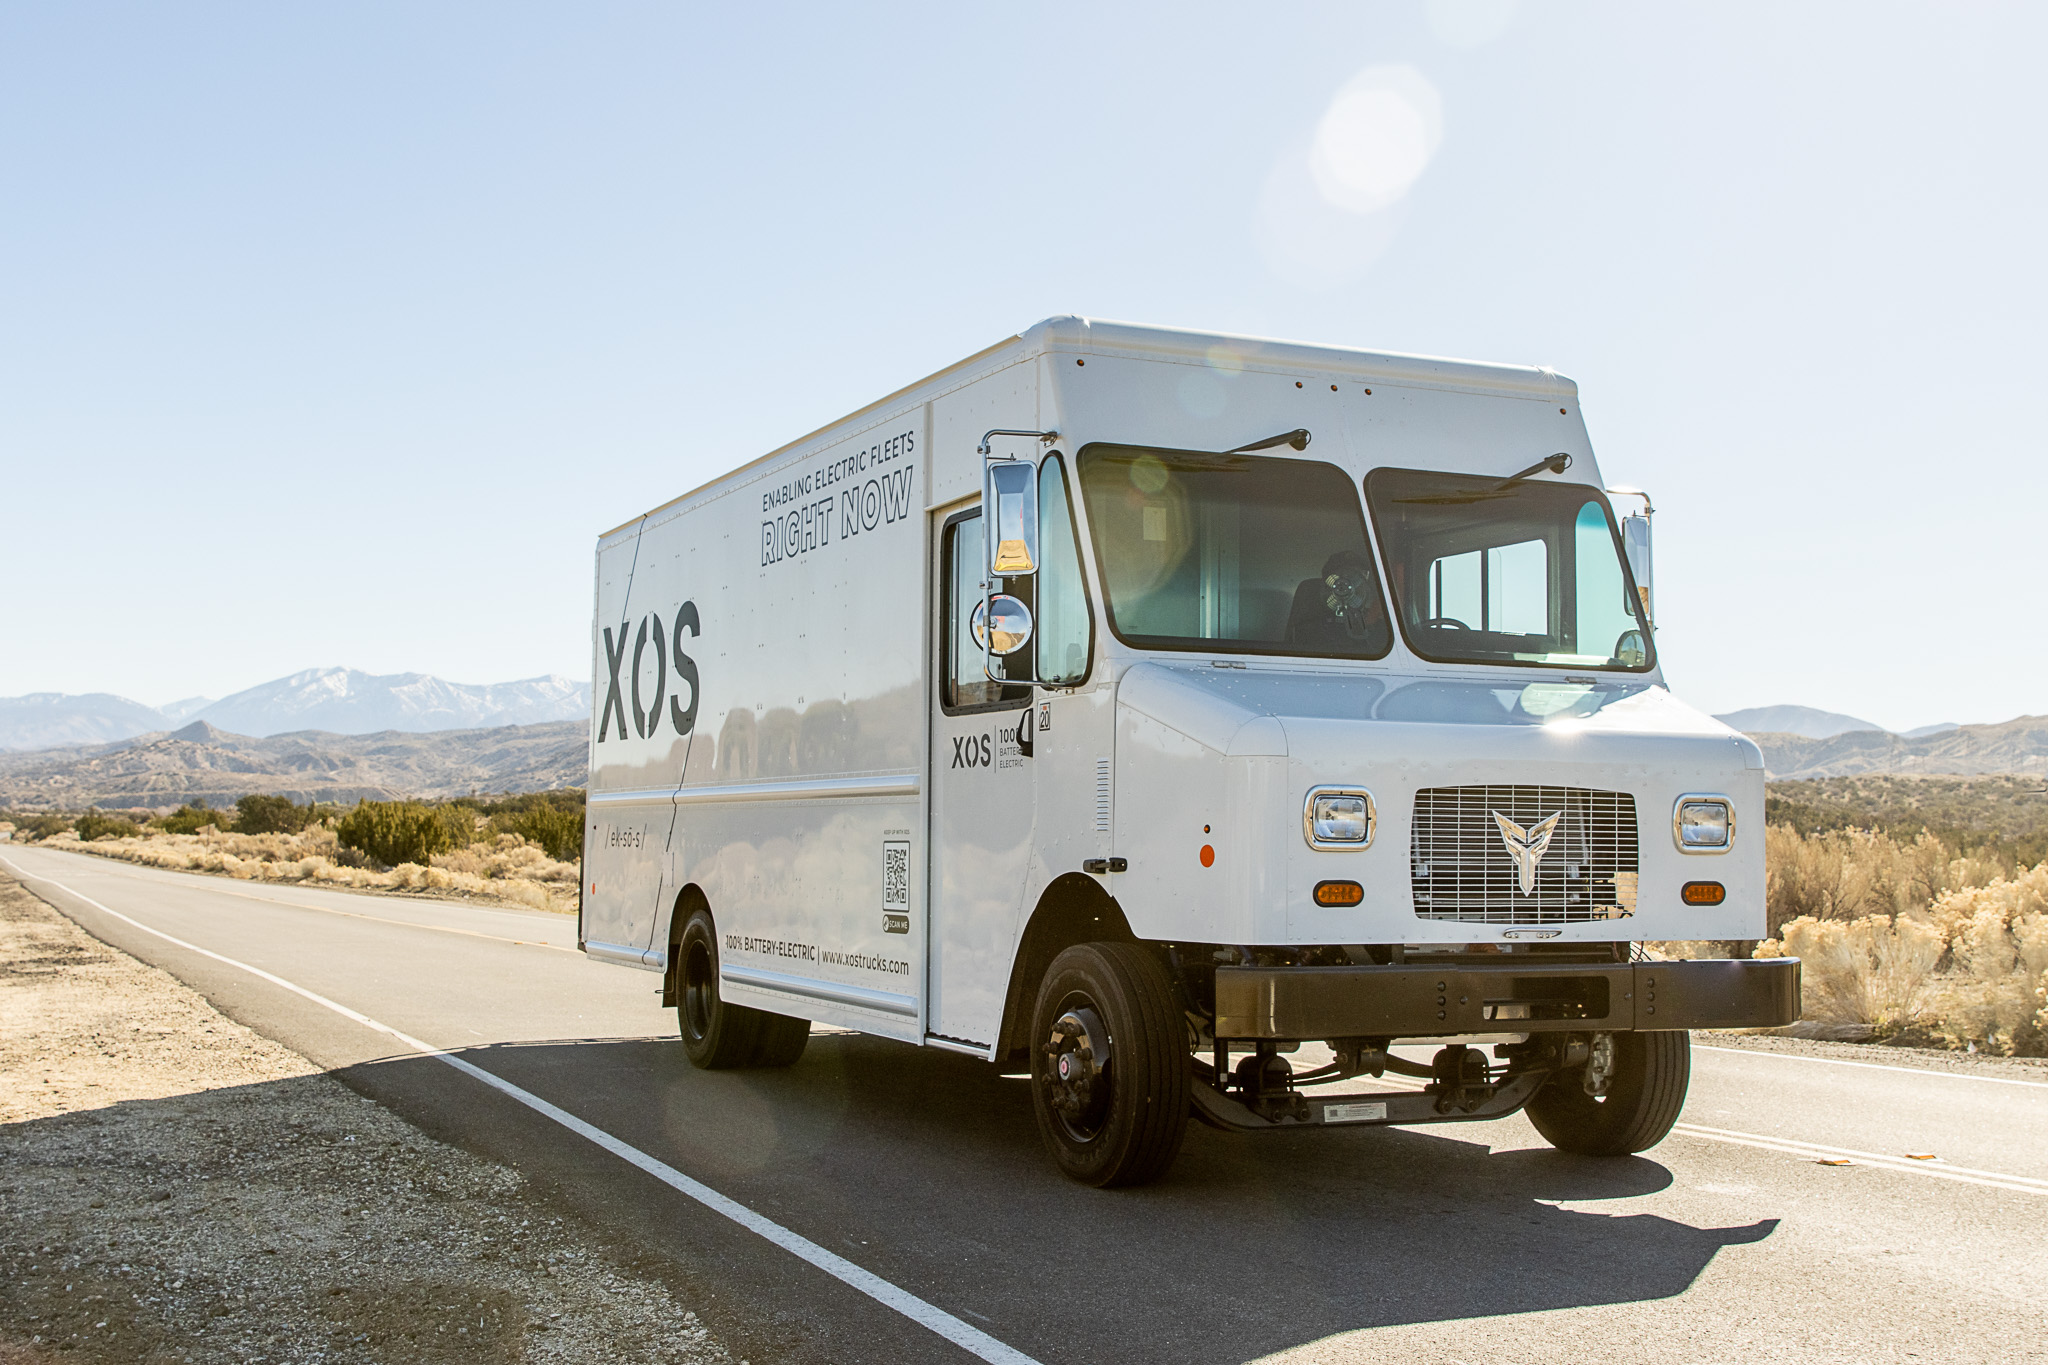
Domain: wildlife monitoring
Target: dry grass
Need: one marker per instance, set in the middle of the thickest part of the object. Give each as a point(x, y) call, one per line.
point(1913, 938)
point(504, 867)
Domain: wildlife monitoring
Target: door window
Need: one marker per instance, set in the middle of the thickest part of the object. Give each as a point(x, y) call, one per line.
point(1066, 632)
point(967, 684)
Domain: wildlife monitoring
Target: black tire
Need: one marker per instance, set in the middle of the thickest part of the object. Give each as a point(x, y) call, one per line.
point(718, 1036)
point(1643, 1099)
point(1130, 1125)
point(779, 1039)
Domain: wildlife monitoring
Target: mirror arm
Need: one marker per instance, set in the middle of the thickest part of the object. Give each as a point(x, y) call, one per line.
point(1046, 436)
point(1623, 491)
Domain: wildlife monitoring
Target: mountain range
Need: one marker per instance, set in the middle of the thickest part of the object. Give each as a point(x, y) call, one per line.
point(2019, 745)
point(201, 764)
point(1810, 723)
point(341, 701)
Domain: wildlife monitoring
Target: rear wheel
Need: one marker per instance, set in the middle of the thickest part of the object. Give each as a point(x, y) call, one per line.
point(1644, 1091)
point(1109, 1065)
point(719, 1036)
point(781, 1039)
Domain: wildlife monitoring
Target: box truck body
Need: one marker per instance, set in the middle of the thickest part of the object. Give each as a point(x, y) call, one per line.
point(1330, 701)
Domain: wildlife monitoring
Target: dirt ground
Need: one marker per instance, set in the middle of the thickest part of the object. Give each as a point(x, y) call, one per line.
point(175, 1187)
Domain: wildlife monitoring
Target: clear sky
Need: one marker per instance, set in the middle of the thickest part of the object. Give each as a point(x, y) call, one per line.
point(334, 334)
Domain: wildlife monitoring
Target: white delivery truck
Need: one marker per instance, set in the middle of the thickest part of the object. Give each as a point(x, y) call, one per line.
point(1135, 707)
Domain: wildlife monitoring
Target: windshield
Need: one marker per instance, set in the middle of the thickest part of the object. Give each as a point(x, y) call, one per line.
point(1490, 572)
point(1239, 553)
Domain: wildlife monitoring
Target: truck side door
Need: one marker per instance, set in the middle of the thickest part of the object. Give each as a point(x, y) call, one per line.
point(982, 801)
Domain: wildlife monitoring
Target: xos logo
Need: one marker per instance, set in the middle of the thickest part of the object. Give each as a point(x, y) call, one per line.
point(661, 634)
point(1001, 749)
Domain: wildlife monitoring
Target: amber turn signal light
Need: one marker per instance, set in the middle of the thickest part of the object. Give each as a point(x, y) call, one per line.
point(1703, 893)
point(1339, 893)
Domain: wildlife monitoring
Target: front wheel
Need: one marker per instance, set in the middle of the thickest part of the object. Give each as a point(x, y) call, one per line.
point(1109, 1065)
point(1645, 1080)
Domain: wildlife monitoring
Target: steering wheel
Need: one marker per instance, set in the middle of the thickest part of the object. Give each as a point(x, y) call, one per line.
point(1441, 622)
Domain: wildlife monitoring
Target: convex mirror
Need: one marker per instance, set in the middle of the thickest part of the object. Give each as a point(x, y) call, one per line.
point(1012, 624)
point(1011, 499)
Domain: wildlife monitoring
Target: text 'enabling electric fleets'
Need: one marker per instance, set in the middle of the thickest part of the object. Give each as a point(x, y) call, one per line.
point(801, 509)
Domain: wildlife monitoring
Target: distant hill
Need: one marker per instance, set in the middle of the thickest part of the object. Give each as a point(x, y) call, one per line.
point(348, 702)
point(1795, 720)
point(2014, 746)
point(342, 701)
point(44, 720)
point(200, 763)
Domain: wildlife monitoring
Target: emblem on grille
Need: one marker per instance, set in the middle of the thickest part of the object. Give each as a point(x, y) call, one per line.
point(1526, 846)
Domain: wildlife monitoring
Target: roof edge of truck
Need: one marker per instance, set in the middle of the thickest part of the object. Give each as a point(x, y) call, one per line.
point(1069, 332)
point(1130, 338)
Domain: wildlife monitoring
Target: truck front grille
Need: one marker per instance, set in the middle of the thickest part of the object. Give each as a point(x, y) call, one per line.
point(1463, 868)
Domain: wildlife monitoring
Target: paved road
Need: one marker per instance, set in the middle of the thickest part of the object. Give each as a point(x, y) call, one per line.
point(1730, 1241)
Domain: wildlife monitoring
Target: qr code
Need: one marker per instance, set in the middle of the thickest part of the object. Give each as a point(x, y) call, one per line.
point(896, 875)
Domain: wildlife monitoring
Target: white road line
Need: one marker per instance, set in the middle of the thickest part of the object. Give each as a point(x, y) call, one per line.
point(1870, 1066)
point(968, 1338)
point(2023, 1184)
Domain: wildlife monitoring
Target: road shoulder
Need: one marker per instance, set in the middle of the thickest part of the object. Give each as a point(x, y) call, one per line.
point(180, 1187)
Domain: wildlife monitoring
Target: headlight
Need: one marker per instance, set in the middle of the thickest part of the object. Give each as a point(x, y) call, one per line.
point(1703, 824)
point(1338, 817)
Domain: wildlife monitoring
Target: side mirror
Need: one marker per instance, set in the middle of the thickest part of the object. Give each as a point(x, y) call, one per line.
point(1635, 543)
point(1010, 502)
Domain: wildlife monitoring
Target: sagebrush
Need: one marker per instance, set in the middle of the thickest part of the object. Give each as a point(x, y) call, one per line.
point(1915, 937)
point(501, 867)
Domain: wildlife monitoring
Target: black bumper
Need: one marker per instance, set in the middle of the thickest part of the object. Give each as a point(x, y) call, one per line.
point(1421, 1002)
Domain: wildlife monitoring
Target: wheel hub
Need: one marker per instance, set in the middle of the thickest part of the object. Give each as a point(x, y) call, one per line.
point(1076, 1074)
point(1599, 1064)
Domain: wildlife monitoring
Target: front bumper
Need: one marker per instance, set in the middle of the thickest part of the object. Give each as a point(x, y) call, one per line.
point(1423, 1002)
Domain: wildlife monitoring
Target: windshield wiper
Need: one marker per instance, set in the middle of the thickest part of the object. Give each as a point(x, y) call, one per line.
point(1552, 464)
point(1298, 438)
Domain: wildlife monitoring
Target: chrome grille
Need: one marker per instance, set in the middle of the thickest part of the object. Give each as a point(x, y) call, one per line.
point(1461, 867)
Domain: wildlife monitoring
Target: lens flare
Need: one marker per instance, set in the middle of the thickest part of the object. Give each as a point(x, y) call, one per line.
point(1376, 139)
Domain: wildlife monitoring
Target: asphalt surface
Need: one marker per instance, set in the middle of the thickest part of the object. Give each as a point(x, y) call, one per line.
point(1729, 1241)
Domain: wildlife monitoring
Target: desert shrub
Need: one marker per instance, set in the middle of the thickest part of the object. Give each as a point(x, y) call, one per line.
point(94, 825)
point(1996, 993)
point(191, 819)
point(36, 827)
point(395, 832)
point(1875, 970)
point(1965, 966)
point(503, 867)
point(557, 829)
point(1994, 816)
point(273, 815)
point(1850, 874)
point(565, 798)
